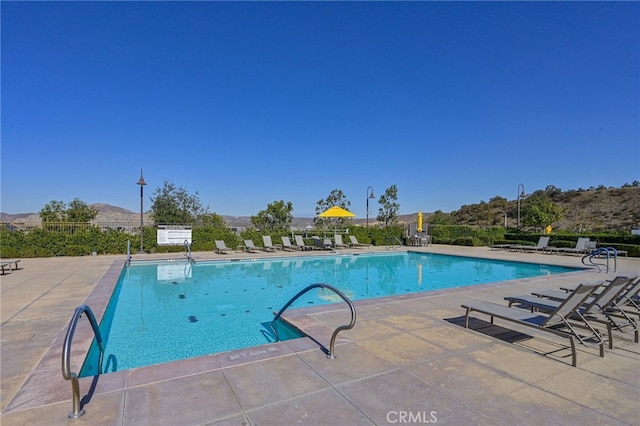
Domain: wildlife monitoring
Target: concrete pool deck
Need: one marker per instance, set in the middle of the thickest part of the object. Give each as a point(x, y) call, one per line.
point(409, 359)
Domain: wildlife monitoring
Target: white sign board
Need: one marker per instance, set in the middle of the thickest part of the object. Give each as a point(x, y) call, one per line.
point(173, 236)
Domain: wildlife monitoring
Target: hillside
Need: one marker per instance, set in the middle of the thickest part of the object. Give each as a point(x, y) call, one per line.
point(586, 210)
point(592, 210)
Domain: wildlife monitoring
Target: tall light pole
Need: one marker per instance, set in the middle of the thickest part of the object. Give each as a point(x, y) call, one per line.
point(142, 183)
point(521, 195)
point(369, 195)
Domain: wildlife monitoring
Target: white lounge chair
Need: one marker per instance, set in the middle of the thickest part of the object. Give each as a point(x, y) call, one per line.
point(250, 247)
point(338, 241)
point(580, 248)
point(221, 247)
point(300, 243)
point(286, 244)
point(543, 245)
point(557, 322)
point(355, 243)
point(268, 244)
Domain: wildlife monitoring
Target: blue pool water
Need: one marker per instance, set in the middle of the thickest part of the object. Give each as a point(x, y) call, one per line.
point(166, 311)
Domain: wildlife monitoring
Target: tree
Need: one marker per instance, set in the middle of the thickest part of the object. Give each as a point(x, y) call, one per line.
point(335, 198)
point(79, 212)
point(173, 205)
point(538, 210)
point(276, 217)
point(214, 220)
point(441, 218)
point(388, 212)
point(54, 211)
point(76, 212)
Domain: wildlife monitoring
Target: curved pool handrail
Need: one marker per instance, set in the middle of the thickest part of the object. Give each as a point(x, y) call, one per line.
point(187, 247)
point(608, 251)
point(352, 308)
point(67, 374)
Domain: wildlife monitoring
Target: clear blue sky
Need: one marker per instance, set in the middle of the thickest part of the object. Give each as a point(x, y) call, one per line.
point(250, 103)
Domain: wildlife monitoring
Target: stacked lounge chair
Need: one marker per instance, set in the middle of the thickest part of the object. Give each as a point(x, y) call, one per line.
point(324, 244)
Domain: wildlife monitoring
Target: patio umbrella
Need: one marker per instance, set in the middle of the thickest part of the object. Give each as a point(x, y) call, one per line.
point(419, 222)
point(336, 212)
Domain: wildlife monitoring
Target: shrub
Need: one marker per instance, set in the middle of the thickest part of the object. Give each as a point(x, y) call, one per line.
point(466, 241)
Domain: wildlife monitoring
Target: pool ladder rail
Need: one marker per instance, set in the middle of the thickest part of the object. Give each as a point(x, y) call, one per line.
point(67, 374)
point(187, 247)
point(331, 351)
point(392, 243)
point(608, 252)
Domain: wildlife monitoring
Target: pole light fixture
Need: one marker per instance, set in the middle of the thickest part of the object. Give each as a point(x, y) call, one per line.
point(142, 183)
point(369, 195)
point(521, 195)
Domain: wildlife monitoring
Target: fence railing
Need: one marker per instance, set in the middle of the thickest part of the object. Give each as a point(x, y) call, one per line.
point(71, 227)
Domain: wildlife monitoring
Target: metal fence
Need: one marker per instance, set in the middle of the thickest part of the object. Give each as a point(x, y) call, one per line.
point(72, 227)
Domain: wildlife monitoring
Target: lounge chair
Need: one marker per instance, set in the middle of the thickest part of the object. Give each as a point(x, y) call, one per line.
point(300, 243)
point(601, 307)
point(355, 243)
point(325, 244)
point(502, 246)
point(556, 322)
point(543, 245)
point(632, 297)
point(580, 248)
point(339, 243)
point(268, 244)
point(221, 247)
point(250, 247)
point(286, 244)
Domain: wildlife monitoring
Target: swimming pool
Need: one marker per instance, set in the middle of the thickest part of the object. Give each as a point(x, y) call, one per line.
point(165, 311)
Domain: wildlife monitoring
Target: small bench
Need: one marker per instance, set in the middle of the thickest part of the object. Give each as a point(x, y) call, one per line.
point(6, 264)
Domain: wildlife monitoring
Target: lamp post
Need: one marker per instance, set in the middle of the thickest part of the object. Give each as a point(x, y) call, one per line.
point(142, 183)
point(369, 195)
point(521, 195)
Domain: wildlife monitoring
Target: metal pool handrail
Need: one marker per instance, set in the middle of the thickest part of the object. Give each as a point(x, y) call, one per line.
point(187, 247)
point(67, 374)
point(608, 251)
point(331, 353)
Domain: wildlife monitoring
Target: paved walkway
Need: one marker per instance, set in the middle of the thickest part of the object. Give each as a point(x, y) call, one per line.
point(409, 360)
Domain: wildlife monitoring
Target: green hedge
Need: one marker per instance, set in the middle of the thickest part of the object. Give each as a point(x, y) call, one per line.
point(466, 235)
point(46, 243)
